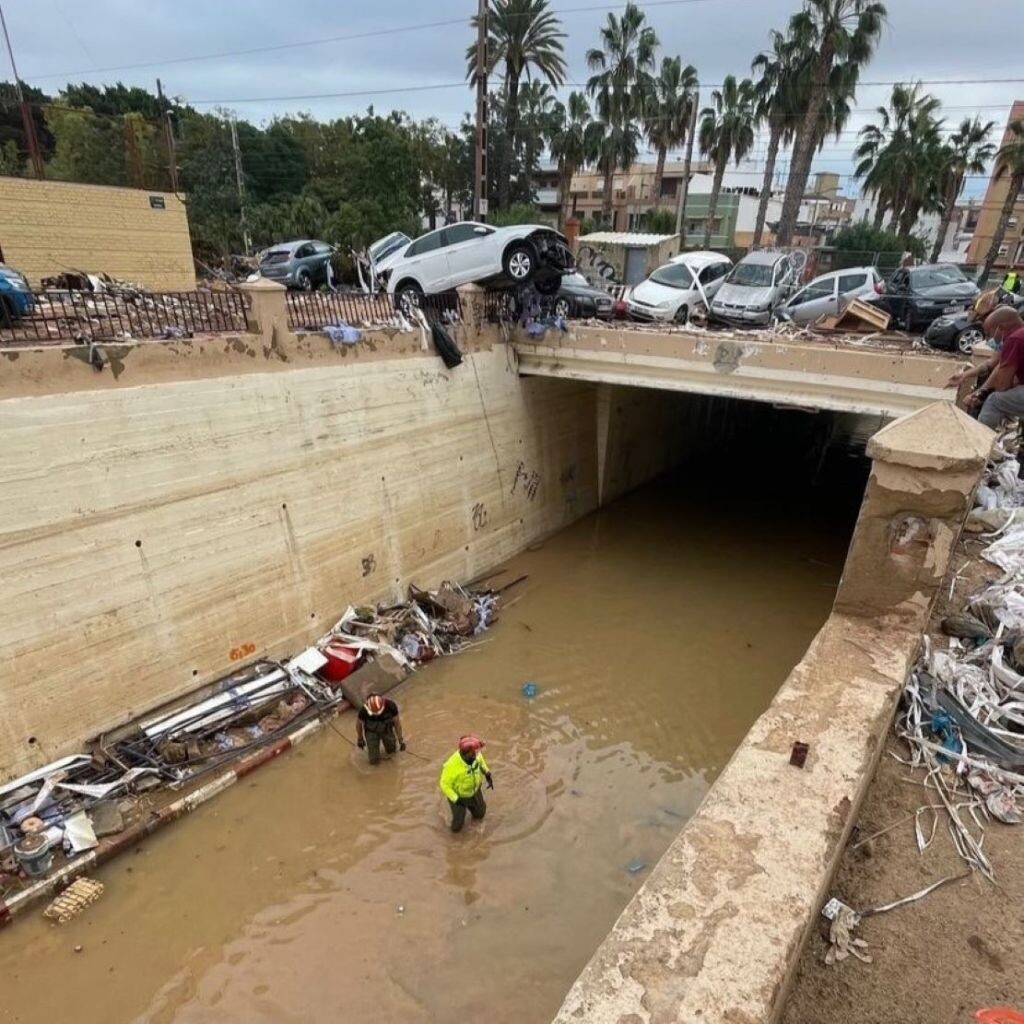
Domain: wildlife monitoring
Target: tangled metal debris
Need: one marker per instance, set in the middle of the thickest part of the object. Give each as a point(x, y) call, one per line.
point(68, 806)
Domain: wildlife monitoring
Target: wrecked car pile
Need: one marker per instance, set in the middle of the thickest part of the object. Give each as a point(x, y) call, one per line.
point(68, 815)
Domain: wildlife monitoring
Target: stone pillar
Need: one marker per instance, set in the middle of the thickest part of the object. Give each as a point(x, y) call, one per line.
point(471, 299)
point(267, 308)
point(572, 232)
point(925, 468)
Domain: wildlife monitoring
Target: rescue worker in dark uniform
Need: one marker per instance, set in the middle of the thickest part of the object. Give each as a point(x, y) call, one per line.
point(379, 724)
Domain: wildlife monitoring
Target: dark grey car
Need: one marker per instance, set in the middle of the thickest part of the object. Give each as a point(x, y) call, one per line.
point(302, 264)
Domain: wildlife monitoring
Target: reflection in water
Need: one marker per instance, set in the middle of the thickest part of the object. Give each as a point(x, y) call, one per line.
point(323, 890)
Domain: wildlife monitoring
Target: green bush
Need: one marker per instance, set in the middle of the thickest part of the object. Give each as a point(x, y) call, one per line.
point(660, 221)
point(518, 213)
point(864, 239)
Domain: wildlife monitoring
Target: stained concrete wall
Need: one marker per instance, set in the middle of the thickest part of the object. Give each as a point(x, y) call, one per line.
point(197, 504)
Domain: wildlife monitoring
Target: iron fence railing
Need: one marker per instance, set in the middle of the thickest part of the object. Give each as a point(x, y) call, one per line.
point(312, 311)
point(120, 316)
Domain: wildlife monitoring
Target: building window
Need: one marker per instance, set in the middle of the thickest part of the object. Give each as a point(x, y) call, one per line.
point(669, 188)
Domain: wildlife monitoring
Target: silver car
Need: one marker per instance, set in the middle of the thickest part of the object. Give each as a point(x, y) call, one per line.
point(760, 283)
point(302, 264)
point(831, 293)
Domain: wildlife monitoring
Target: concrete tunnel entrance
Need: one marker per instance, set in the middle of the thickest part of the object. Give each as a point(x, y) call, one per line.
point(655, 630)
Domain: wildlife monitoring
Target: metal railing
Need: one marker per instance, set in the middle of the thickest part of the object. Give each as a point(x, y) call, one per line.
point(124, 315)
point(312, 311)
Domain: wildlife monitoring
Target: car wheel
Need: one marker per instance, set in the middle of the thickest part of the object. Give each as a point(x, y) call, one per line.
point(682, 316)
point(907, 322)
point(408, 298)
point(563, 307)
point(968, 338)
point(520, 262)
point(304, 281)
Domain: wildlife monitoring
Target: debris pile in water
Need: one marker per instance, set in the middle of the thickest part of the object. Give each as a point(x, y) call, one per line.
point(68, 806)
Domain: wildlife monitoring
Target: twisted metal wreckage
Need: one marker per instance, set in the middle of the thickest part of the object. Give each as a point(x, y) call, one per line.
point(961, 715)
point(66, 816)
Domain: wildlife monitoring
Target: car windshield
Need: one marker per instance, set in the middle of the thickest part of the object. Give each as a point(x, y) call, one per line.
point(934, 277)
point(674, 275)
point(751, 275)
point(576, 279)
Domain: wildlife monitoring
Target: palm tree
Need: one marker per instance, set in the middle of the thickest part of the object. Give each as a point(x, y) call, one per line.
point(727, 132)
point(777, 92)
point(1009, 164)
point(523, 35)
point(836, 39)
point(620, 82)
point(540, 115)
point(573, 145)
point(968, 152)
point(667, 112)
point(897, 156)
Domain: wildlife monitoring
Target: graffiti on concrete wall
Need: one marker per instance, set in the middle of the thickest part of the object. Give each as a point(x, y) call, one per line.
point(597, 267)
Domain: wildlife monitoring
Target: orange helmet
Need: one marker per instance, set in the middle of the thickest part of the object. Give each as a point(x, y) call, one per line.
point(470, 744)
point(374, 704)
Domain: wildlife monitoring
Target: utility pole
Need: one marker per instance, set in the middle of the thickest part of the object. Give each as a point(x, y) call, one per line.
point(480, 174)
point(241, 186)
point(684, 192)
point(31, 142)
point(165, 116)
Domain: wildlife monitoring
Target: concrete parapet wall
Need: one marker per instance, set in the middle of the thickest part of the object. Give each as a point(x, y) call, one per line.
point(715, 931)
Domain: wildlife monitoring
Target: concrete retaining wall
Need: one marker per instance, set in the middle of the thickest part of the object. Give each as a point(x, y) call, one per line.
point(199, 504)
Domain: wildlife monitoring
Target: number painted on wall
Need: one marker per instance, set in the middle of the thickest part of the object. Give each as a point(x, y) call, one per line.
point(243, 651)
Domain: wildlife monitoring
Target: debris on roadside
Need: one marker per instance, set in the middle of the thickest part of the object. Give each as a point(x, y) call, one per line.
point(79, 895)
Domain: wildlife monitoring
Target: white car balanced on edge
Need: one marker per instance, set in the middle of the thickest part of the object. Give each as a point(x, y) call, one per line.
point(673, 290)
point(469, 253)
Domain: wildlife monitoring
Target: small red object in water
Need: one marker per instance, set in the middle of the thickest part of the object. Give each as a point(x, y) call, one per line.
point(999, 1015)
point(799, 754)
point(341, 660)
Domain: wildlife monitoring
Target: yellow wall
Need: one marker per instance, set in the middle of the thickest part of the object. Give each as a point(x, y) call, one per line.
point(50, 226)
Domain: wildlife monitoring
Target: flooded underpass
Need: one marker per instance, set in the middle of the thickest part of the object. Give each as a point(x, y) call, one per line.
point(320, 889)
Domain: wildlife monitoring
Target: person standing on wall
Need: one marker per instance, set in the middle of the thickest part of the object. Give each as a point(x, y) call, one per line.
point(462, 781)
point(379, 723)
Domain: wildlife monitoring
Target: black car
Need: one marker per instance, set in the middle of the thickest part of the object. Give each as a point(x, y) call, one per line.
point(577, 297)
point(959, 332)
point(916, 296)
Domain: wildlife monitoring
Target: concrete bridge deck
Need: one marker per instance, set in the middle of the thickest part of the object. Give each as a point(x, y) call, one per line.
point(845, 376)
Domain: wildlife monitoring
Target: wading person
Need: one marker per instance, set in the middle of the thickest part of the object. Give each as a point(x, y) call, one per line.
point(462, 780)
point(379, 724)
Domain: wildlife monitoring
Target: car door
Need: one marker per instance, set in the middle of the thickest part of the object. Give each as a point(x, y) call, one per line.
point(712, 276)
point(427, 262)
point(897, 294)
point(468, 253)
point(303, 261)
point(320, 261)
point(815, 300)
point(854, 284)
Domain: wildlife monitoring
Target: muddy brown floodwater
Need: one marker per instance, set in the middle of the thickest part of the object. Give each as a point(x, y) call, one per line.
point(320, 889)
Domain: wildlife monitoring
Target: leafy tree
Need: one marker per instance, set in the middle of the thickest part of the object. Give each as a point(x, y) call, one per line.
point(726, 133)
point(660, 221)
point(12, 128)
point(539, 117)
point(523, 35)
point(517, 213)
point(836, 39)
point(864, 240)
point(621, 80)
point(1009, 165)
point(667, 112)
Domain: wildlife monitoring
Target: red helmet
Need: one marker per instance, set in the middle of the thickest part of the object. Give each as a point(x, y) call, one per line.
point(374, 704)
point(470, 745)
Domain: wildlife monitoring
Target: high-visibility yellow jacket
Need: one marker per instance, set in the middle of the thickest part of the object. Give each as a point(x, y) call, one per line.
point(459, 779)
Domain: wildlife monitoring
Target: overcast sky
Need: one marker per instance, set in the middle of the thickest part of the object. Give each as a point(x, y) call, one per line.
point(94, 42)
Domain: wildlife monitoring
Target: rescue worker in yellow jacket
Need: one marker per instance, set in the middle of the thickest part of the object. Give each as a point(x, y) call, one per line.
point(462, 780)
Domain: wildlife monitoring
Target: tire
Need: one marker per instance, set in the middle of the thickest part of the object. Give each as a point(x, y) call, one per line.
point(547, 284)
point(7, 313)
point(967, 338)
point(519, 263)
point(408, 296)
point(682, 317)
point(907, 321)
point(562, 308)
point(304, 281)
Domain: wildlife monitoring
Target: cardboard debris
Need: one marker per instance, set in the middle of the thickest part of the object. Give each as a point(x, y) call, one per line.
point(858, 316)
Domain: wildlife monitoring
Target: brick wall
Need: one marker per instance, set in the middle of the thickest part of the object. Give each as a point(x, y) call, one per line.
point(49, 226)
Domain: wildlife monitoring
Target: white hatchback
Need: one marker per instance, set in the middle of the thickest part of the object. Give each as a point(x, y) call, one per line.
point(671, 293)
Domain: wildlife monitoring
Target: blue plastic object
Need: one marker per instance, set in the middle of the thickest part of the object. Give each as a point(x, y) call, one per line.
point(529, 690)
